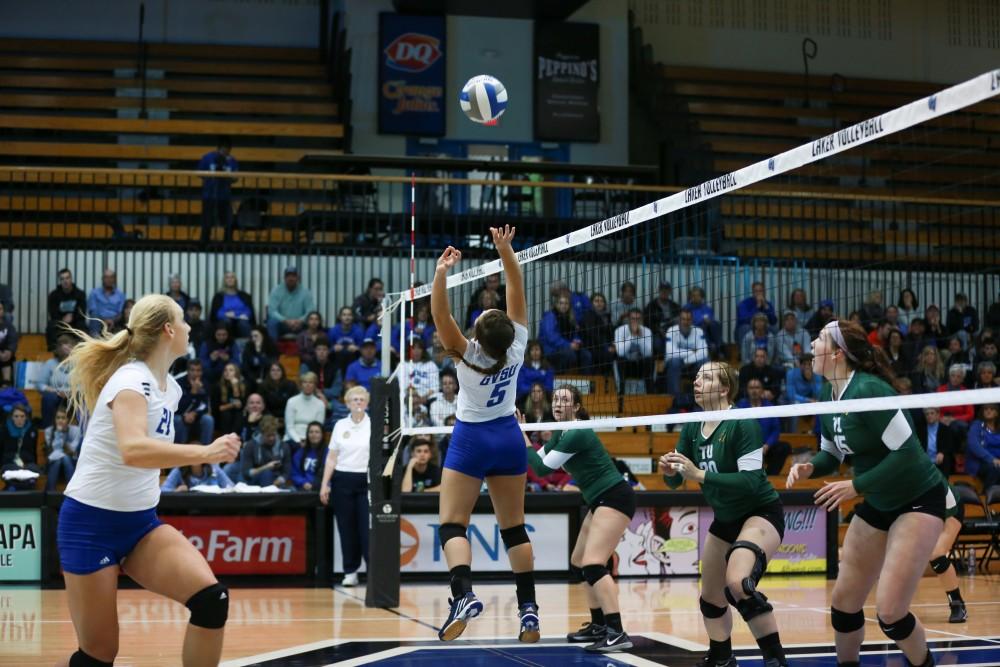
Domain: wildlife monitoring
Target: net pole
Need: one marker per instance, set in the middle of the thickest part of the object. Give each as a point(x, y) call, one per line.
point(413, 280)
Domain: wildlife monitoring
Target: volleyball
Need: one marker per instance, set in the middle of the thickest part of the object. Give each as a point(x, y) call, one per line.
point(483, 99)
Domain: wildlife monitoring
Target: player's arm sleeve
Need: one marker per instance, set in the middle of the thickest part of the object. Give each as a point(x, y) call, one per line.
point(557, 452)
point(888, 472)
point(828, 459)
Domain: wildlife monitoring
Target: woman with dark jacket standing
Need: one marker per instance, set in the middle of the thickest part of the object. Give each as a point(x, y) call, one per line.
point(233, 307)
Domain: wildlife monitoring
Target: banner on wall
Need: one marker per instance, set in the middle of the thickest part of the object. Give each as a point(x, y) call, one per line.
point(20, 544)
point(411, 75)
point(567, 80)
point(247, 544)
point(420, 549)
point(803, 548)
point(660, 541)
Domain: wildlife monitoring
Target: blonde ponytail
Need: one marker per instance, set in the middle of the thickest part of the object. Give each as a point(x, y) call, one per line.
point(93, 361)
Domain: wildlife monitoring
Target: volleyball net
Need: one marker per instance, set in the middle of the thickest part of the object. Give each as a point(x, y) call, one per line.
point(889, 220)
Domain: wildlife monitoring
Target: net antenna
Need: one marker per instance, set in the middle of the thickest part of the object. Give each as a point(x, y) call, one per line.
point(926, 109)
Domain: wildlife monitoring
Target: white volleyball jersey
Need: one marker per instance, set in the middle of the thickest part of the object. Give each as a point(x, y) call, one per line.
point(485, 397)
point(102, 479)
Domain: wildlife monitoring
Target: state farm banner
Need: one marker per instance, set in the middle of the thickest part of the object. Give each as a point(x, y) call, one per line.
point(420, 548)
point(411, 75)
point(567, 80)
point(247, 544)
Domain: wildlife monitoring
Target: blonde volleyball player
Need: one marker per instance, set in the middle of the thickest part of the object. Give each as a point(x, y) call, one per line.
point(726, 459)
point(487, 442)
point(108, 522)
point(894, 529)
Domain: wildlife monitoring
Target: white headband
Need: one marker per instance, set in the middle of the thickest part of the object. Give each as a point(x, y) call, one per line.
point(838, 337)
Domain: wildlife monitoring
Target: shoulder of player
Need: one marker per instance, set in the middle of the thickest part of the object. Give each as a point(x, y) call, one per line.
point(866, 385)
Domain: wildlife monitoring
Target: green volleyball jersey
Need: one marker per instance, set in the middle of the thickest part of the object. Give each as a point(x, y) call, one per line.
point(732, 458)
point(580, 453)
point(890, 467)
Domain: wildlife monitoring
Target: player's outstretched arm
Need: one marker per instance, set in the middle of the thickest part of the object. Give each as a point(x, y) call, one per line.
point(517, 306)
point(449, 333)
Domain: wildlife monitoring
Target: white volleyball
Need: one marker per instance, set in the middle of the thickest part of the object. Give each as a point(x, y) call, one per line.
point(483, 98)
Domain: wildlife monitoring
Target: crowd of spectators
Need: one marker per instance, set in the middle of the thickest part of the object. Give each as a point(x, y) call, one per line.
point(233, 378)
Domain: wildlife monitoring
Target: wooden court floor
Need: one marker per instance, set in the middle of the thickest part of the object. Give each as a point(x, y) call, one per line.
point(312, 626)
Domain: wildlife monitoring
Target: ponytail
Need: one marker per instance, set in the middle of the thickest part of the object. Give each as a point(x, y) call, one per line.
point(492, 370)
point(93, 361)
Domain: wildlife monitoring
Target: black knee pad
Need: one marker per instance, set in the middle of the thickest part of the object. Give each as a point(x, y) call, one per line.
point(210, 607)
point(750, 607)
point(940, 564)
point(844, 621)
point(575, 573)
point(594, 573)
point(514, 536)
point(759, 564)
point(81, 659)
point(448, 531)
point(709, 610)
point(899, 630)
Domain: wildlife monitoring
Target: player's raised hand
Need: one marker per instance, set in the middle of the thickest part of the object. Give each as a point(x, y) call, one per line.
point(502, 237)
point(449, 258)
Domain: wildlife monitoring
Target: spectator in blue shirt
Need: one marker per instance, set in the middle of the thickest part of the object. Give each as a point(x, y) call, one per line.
point(775, 451)
point(288, 305)
point(345, 338)
point(560, 337)
point(216, 197)
point(362, 370)
point(801, 384)
point(308, 460)
point(196, 474)
point(233, 306)
point(105, 304)
point(747, 308)
point(704, 317)
point(534, 369)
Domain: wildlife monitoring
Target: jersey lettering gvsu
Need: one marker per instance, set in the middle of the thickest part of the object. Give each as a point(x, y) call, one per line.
point(485, 397)
point(102, 479)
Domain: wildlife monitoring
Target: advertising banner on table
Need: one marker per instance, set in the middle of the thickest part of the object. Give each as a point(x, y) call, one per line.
point(411, 75)
point(567, 80)
point(420, 548)
point(803, 548)
point(247, 544)
point(659, 541)
point(20, 544)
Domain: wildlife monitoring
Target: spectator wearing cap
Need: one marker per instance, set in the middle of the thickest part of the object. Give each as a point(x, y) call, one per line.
point(963, 320)
point(175, 291)
point(199, 328)
point(820, 318)
point(105, 304)
point(287, 306)
point(216, 195)
point(791, 341)
point(661, 313)
point(364, 368)
point(750, 306)
point(233, 306)
point(802, 385)
point(366, 305)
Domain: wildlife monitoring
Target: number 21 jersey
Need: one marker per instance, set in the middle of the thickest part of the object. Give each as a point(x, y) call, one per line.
point(102, 479)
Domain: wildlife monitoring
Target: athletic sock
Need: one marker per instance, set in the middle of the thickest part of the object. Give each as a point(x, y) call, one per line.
point(597, 616)
point(614, 622)
point(770, 646)
point(720, 650)
point(955, 596)
point(461, 581)
point(525, 582)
